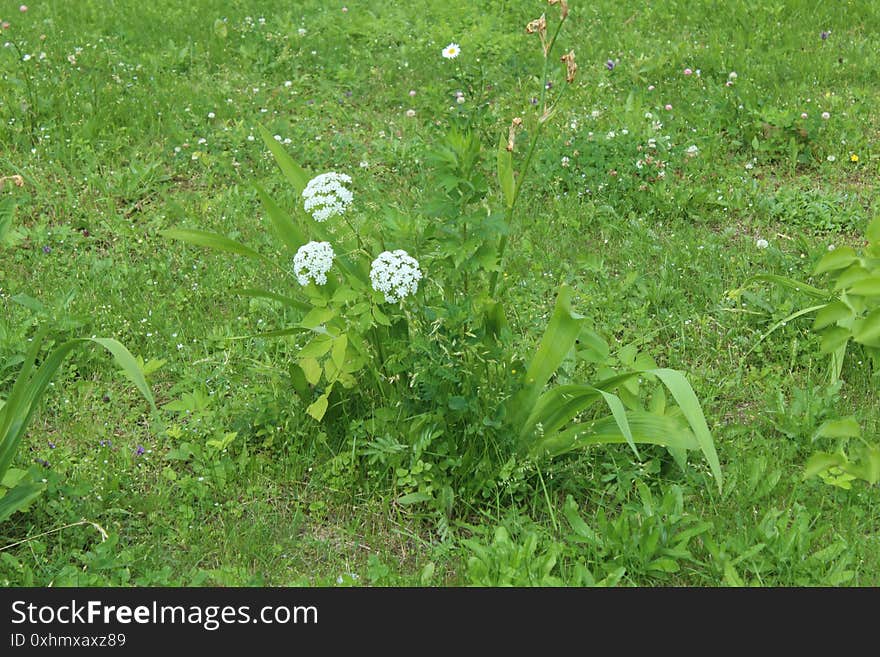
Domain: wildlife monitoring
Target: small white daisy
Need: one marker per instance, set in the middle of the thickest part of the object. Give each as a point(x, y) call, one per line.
point(451, 51)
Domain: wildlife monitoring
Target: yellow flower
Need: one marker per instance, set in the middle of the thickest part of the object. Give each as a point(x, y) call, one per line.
point(853, 158)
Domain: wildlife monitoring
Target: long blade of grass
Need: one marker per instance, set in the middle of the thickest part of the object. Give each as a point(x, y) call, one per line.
point(218, 243)
point(295, 174)
point(129, 366)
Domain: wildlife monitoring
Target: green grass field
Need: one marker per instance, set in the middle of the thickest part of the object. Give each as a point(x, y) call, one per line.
point(699, 145)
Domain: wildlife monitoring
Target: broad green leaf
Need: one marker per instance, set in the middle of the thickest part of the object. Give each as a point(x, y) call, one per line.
point(831, 313)
point(559, 337)
point(295, 174)
point(284, 226)
point(318, 408)
point(833, 338)
point(822, 461)
point(839, 258)
point(216, 242)
point(646, 428)
point(560, 404)
point(317, 316)
point(316, 347)
point(846, 427)
point(619, 414)
point(18, 497)
point(592, 347)
point(337, 353)
point(850, 276)
point(413, 498)
point(866, 287)
point(866, 331)
point(28, 302)
point(505, 172)
point(311, 369)
point(690, 406)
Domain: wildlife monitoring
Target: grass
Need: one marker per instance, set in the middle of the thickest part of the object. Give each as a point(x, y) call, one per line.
point(143, 116)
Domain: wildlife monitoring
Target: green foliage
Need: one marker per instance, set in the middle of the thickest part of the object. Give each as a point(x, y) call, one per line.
point(23, 400)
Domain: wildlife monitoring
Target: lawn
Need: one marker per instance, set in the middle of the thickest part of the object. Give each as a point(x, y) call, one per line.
point(594, 239)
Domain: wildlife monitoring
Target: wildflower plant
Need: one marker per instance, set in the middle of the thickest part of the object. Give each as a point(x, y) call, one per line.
point(436, 397)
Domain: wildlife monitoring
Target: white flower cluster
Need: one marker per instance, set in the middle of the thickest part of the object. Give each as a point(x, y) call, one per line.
point(396, 274)
point(313, 260)
point(326, 195)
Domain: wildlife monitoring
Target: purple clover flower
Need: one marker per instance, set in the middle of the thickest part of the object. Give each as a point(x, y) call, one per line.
point(610, 64)
point(51, 445)
point(824, 34)
point(47, 249)
point(140, 450)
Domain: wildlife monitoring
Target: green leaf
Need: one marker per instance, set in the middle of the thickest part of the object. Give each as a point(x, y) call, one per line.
point(316, 347)
point(873, 231)
point(850, 276)
point(311, 369)
point(791, 284)
point(318, 408)
point(866, 287)
point(833, 338)
point(690, 406)
point(17, 498)
point(831, 313)
point(846, 427)
point(286, 229)
point(317, 316)
point(866, 331)
point(559, 337)
point(413, 498)
point(822, 461)
point(295, 174)
point(839, 258)
point(646, 428)
point(337, 353)
point(216, 242)
point(129, 366)
point(505, 172)
point(592, 347)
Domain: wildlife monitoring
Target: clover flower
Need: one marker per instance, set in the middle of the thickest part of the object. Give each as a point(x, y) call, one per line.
point(313, 261)
point(396, 274)
point(761, 243)
point(326, 195)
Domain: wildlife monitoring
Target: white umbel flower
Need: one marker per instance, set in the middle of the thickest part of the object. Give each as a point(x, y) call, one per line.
point(313, 261)
point(326, 195)
point(396, 274)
